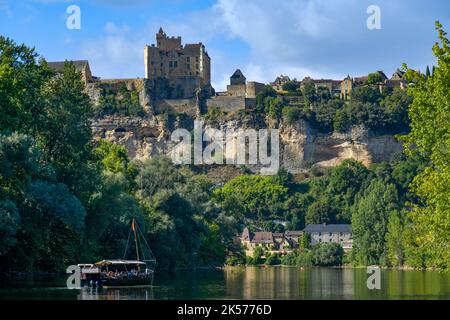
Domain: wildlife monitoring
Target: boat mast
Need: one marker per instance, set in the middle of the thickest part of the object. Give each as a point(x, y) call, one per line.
point(133, 227)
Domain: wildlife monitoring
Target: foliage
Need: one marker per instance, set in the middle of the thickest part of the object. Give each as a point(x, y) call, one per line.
point(370, 222)
point(396, 239)
point(430, 138)
point(374, 78)
point(290, 86)
point(22, 77)
point(9, 225)
point(113, 157)
point(309, 93)
point(250, 197)
point(327, 254)
point(214, 114)
point(291, 114)
point(325, 114)
point(298, 258)
point(123, 102)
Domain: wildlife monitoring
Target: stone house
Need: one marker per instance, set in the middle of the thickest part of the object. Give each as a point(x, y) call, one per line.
point(273, 242)
point(396, 81)
point(240, 94)
point(277, 84)
point(293, 237)
point(240, 87)
point(80, 65)
point(283, 243)
point(331, 233)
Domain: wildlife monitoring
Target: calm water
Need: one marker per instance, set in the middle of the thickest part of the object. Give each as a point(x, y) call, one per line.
point(251, 283)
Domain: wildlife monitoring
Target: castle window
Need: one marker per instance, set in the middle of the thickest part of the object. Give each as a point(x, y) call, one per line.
point(175, 64)
point(170, 64)
point(196, 59)
point(188, 59)
point(189, 66)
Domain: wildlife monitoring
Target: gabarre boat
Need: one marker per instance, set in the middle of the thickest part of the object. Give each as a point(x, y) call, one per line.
point(121, 272)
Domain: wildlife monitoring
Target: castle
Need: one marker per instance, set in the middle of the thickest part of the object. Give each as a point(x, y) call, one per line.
point(187, 67)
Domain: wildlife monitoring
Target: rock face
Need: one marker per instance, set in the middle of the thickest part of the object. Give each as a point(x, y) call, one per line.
point(303, 147)
point(300, 145)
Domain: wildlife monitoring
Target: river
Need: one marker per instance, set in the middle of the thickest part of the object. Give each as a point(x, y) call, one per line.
point(249, 283)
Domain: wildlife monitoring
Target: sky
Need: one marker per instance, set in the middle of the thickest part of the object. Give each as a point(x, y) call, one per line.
point(263, 38)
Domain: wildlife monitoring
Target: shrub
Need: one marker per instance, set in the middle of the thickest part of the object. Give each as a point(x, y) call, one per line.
point(327, 254)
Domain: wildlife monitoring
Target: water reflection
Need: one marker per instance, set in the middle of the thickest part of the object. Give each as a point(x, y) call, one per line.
point(140, 293)
point(250, 283)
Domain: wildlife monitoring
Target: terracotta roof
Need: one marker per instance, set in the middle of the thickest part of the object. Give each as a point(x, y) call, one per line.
point(263, 237)
point(361, 79)
point(293, 233)
point(278, 235)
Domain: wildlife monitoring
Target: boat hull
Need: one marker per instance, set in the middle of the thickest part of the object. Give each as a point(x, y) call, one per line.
point(125, 282)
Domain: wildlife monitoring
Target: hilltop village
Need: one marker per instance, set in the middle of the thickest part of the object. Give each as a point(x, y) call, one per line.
point(139, 113)
point(186, 72)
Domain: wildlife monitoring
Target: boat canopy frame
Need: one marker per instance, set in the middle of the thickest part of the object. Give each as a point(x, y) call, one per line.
point(119, 262)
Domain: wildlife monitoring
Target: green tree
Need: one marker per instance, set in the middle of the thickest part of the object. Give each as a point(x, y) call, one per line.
point(309, 93)
point(370, 222)
point(22, 77)
point(250, 197)
point(114, 158)
point(212, 250)
point(325, 114)
point(374, 78)
point(66, 132)
point(290, 86)
point(366, 94)
point(327, 254)
point(319, 212)
point(345, 181)
point(9, 225)
point(395, 107)
point(430, 137)
point(395, 239)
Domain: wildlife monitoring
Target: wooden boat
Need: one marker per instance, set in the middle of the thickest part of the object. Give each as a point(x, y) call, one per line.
point(121, 272)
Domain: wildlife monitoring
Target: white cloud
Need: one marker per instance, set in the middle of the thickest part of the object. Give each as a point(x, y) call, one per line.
point(117, 54)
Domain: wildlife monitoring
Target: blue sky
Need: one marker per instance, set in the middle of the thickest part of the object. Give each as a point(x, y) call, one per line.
point(264, 38)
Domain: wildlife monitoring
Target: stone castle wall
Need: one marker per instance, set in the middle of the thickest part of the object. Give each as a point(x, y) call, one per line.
point(230, 104)
point(186, 106)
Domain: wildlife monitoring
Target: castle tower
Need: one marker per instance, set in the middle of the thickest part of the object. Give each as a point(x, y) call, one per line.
point(238, 78)
point(160, 36)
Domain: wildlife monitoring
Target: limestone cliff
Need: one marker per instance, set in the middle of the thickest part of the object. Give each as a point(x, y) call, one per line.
point(300, 145)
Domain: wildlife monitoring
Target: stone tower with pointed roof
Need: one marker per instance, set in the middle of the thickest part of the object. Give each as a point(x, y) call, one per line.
point(187, 66)
point(238, 78)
